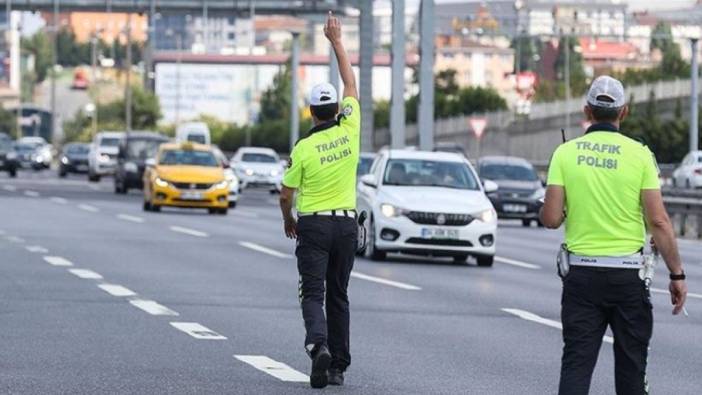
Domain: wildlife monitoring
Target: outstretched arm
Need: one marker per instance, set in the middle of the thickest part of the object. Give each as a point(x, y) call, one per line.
point(332, 30)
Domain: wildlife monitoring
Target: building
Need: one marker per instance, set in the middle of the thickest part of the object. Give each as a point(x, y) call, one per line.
point(9, 60)
point(602, 56)
point(110, 26)
point(684, 24)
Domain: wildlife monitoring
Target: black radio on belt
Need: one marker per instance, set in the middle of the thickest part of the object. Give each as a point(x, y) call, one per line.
point(362, 236)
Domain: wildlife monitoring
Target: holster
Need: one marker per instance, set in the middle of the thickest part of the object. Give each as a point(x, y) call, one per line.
point(362, 238)
point(563, 261)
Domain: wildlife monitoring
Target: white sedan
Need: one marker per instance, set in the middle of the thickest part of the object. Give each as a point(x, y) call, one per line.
point(689, 173)
point(257, 166)
point(427, 203)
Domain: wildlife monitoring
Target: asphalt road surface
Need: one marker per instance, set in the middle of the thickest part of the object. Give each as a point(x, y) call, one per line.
point(97, 296)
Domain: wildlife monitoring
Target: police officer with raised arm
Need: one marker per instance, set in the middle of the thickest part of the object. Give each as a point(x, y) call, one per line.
point(323, 172)
point(604, 186)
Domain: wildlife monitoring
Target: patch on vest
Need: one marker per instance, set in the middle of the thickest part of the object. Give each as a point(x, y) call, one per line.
point(348, 110)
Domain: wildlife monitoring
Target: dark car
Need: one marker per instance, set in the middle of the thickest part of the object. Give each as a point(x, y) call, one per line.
point(26, 156)
point(134, 150)
point(520, 191)
point(8, 157)
point(74, 159)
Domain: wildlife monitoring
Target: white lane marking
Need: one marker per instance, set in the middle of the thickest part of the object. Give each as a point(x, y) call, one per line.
point(130, 218)
point(274, 368)
point(31, 193)
point(14, 239)
point(188, 231)
point(58, 200)
point(37, 249)
point(88, 208)
point(265, 250)
point(383, 281)
point(525, 315)
point(116, 290)
point(665, 291)
point(9, 188)
point(197, 331)
point(152, 307)
point(86, 274)
point(521, 264)
point(57, 261)
point(246, 214)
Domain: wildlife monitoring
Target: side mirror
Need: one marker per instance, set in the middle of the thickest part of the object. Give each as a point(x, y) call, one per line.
point(490, 186)
point(225, 164)
point(151, 162)
point(369, 180)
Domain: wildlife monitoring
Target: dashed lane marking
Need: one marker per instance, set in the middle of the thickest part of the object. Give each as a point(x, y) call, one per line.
point(88, 208)
point(274, 368)
point(517, 263)
point(130, 218)
point(14, 239)
point(152, 307)
point(9, 188)
point(265, 250)
point(57, 261)
point(197, 331)
point(188, 231)
point(58, 200)
point(525, 315)
point(664, 291)
point(31, 193)
point(384, 281)
point(86, 274)
point(116, 290)
point(37, 249)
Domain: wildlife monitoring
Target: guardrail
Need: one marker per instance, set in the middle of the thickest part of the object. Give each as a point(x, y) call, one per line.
point(686, 214)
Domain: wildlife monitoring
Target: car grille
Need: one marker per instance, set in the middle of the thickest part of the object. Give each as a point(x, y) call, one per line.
point(506, 194)
point(188, 185)
point(426, 218)
point(439, 242)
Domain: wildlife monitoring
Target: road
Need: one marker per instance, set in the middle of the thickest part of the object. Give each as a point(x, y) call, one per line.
point(97, 296)
point(68, 101)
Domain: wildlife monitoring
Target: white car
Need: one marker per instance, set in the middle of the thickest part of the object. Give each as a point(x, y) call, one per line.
point(102, 159)
point(427, 203)
point(258, 167)
point(689, 173)
point(230, 175)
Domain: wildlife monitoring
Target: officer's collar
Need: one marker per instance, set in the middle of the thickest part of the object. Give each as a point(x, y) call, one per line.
point(602, 127)
point(325, 125)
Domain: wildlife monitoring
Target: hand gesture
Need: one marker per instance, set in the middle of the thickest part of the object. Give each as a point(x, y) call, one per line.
point(290, 228)
point(678, 294)
point(332, 29)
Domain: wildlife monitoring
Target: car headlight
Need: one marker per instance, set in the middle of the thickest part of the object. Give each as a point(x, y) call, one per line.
point(104, 158)
point(249, 172)
point(11, 156)
point(487, 216)
point(161, 183)
point(221, 185)
point(274, 173)
point(539, 194)
point(64, 160)
point(231, 177)
point(390, 211)
point(131, 167)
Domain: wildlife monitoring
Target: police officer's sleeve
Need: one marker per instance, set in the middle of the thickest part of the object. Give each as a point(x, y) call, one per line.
point(293, 175)
point(351, 116)
point(555, 169)
point(650, 178)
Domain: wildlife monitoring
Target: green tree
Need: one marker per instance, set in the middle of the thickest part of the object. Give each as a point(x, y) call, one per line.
point(39, 46)
point(275, 101)
point(527, 50)
point(8, 122)
point(578, 82)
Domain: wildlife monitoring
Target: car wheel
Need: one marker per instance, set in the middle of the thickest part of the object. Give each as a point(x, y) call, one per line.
point(147, 205)
point(155, 208)
point(213, 210)
point(526, 222)
point(93, 177)
point(13, 173)
point(232, 204)
point(485, 260)
point(223, 211)
point(62, 173)
point(687, 184)
point(460, 259)
point(371, 251)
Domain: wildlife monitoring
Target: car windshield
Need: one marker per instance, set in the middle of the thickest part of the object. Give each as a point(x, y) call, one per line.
point(109, 142)
point(24, 148)
point(79, 149)
point(416, 172)
point(508, 172)
point(188, 157)
point(142, 149)
point(258, 158)
point(364, 165)
point(5, 145)
point(197, 138)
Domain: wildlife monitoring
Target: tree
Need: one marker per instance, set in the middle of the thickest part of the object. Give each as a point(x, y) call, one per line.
point(527, 50)
point(578, 83)
point(8, 122)
point(275, 101)
point(39, 46)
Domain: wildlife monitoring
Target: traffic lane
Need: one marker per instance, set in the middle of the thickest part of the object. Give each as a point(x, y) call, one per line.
point(61, 334)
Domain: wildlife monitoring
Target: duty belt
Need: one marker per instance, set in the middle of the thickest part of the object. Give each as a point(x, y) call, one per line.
point(635, 261)
point(331, 213)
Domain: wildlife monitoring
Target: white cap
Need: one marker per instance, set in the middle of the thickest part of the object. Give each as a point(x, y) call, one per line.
point(608, 87)
point(323, 93)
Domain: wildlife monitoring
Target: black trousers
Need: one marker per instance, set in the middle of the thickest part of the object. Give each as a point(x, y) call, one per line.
point(594, 298)
point(326, 247)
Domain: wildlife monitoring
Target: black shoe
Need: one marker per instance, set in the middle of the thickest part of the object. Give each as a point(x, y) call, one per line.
point(321, 359)
point(336, 377)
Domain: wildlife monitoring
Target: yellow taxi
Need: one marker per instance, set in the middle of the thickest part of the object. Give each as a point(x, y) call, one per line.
point(185, 175)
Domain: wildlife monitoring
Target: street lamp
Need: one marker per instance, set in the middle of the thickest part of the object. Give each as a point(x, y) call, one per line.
point(179, 53)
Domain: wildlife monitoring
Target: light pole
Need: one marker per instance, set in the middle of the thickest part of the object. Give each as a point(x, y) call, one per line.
point(128, 85)
point(294, 113)
point(95, 85)
point(694, 100)
point(53, 70)
point(179, 59)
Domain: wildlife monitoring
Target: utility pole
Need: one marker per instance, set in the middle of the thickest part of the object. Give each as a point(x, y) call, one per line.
point(426, 76)
point(365, 73)
point(254, 80)
point(149, 50)
point(128, 84)
point(294, 111)
point(566, 40)
point(694, 100)
point(96, 93)
point(179, 60)
point(397, 104)
point(53, 72)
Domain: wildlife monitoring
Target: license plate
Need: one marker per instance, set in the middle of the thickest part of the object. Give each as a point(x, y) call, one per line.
point(82, 167)
point(439, 233)
point(187, 195)
point(514, 208)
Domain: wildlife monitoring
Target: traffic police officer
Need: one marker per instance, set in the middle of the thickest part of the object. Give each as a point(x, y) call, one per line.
point(605, 187)
point(323, 172)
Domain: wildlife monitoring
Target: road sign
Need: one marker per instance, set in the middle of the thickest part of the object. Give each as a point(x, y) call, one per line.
point(478, 125)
